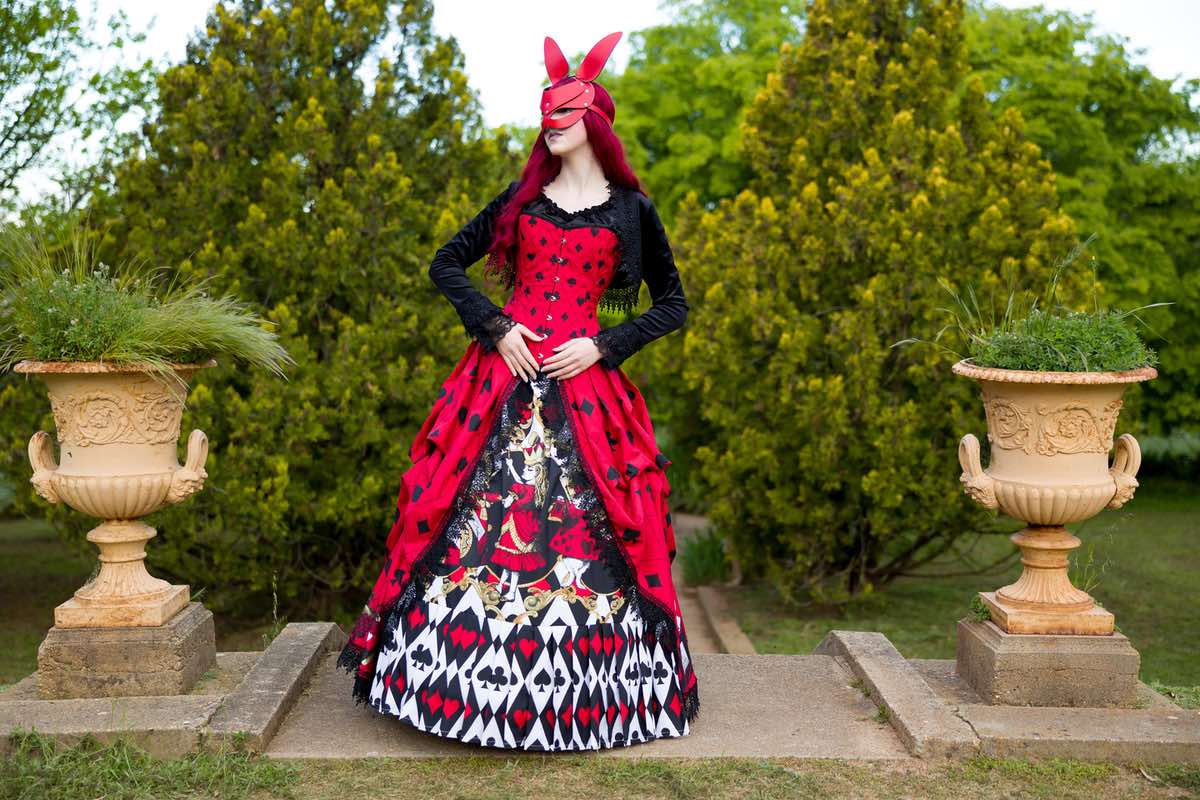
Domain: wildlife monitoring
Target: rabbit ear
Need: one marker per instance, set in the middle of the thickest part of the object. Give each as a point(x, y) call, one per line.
point(597, 57)
point(556, 65)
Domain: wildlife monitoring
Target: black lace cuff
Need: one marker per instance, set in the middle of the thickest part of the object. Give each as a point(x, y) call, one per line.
point(617, 343)
point(494, 329)
point(476, 311)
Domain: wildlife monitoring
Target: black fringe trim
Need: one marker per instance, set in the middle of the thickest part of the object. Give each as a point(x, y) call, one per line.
point(621, 299)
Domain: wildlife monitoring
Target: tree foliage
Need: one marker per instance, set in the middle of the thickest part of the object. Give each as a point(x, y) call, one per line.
point(830, 461)
point(1122, 142)
point(45, 89)
point(687, 84)
point(276, 170)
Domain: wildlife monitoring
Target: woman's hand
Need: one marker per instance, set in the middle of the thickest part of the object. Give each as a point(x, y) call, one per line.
point(572, 357)
point(515, 352)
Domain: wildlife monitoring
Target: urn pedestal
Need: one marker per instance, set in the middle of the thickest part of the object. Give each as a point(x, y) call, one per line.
point(1050, 435)
point(118, 430)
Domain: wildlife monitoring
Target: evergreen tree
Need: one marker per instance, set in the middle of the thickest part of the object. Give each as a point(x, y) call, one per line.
point(831, 460)
point(686, 87)
point(275, 171)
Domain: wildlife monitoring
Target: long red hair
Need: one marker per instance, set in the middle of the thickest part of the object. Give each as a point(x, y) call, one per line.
point(543, 166)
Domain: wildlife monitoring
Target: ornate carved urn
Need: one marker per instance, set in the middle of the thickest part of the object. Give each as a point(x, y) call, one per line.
point(118, 430)
point(1050, 434)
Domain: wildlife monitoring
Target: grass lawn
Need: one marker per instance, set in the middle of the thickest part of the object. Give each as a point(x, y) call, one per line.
point(37, 572)
point(122, 772)
point(1146, 556)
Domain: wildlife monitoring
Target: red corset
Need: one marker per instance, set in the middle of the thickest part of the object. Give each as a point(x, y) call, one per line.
point(559, 277)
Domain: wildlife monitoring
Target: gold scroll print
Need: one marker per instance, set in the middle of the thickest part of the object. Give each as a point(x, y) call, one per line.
point(1048, 430)
point(139, 416)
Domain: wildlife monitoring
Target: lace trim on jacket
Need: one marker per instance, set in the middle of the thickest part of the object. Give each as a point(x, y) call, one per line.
point(479, 317)
point(617, 343)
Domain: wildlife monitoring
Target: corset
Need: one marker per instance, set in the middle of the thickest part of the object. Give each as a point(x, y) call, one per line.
point(565, 268)
point(562, 269)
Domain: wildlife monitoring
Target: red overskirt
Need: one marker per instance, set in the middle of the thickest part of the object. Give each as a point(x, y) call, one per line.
point(612, 428)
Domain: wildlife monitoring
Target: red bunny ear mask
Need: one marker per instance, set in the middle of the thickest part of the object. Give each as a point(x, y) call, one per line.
point(578, 92)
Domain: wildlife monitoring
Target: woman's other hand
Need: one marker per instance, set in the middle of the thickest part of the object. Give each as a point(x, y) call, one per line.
point(572, 357)
point(515, 352)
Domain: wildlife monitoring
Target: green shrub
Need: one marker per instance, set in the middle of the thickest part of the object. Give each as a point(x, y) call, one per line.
point(830, 462)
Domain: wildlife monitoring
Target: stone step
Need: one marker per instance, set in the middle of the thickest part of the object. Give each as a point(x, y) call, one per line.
point(757, 706)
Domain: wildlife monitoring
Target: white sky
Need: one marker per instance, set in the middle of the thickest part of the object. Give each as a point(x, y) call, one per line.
point(502, 41)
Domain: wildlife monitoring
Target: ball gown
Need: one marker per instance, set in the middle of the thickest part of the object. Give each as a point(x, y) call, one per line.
point(525, 599)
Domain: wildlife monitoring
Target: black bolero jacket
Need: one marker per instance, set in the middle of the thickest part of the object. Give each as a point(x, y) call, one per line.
point(645, 255)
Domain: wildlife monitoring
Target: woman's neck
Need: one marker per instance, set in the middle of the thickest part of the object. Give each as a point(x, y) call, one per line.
point(580, 171)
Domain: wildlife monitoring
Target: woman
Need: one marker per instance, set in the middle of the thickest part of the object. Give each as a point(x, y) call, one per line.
point(526, 600)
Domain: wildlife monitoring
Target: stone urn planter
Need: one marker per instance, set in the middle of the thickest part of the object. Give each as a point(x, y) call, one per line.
point(1050, 435)
point(118, 429)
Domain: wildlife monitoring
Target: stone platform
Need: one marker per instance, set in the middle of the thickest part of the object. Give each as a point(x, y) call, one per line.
point(855, 698)
point(761, 706)
point(937, 712)
point(245, 695)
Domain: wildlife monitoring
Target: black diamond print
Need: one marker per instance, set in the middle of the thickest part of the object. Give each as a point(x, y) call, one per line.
point(416, 494)
point(422, 526)
point(631, 470)
point(462, 414)
point(462, 463)
point(613, 474)
point(473, 425)
point(587, 407)
point(653, 580)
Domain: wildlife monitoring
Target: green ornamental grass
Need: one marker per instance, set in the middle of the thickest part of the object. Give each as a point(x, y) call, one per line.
point(1026, 337)
point(1076, 341)
point(59, 303)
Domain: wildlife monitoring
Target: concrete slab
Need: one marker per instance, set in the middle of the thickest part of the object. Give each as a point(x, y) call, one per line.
point(164, 726)
point(756, 706)
point(730, 636)
point(926, 725)
point(1117, 735)
point(1157, 731)
point(257, 706)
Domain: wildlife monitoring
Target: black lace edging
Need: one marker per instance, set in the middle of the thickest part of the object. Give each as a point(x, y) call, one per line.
point(656, 618)
point(476, 310)
point(617, 343)
point(496, 326)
